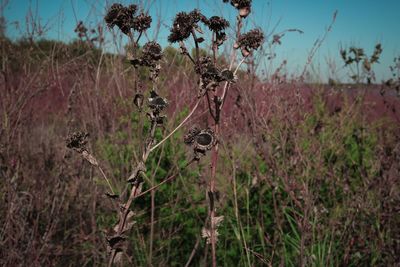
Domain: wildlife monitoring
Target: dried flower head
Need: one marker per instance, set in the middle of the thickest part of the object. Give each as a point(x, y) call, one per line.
point(243, 6)
point(205, 140)
point(183, 25)
point(241, 3)
point(377, 53)
point(77, 141)
point(203, 64)
point(141, 22)
point(201, 140)
point(217, 24)
point(250, 41)
point(81, 29)
point(227, 75)
point(209, 75)
point(152, 53)
point(196, 16)
point(121, 16)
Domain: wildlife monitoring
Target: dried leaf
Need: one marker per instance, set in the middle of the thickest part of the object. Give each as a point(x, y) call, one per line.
point(112, 196)
point(200, 39)
point(129, 222)
point(217, 221)
point(116, 242)
point(92, 160)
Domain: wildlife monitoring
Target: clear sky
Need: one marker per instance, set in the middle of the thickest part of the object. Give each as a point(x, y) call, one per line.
point(361, 23)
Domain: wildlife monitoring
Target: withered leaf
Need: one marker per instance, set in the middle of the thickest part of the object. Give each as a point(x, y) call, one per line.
point(112, 196)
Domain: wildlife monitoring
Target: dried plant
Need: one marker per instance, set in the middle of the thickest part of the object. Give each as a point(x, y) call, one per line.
point(360, 64)
point(394, 81)
point(295, 188)
point(185, 25)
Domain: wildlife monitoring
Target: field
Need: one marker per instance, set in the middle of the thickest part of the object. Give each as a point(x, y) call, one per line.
point(297, 173)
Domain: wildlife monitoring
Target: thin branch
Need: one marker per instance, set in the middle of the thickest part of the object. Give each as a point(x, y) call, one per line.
point(105, 178)
point(178, 127)
point(224, 92)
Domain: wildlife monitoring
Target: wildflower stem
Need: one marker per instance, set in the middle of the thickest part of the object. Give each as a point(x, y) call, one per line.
point(105, 178)
point(196, 43)
point(178, 127)
point(123, 220)
point(225, 90)
point(164, 181)
point(209, 106)
point(214, 48)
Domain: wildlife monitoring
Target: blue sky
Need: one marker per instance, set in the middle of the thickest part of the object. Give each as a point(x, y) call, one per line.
point(359, 22)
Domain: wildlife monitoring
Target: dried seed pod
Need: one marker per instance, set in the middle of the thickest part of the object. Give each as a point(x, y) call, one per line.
point(244, 12)
point(201, 140)
point(243, 6)
point(204, 140)
point(245, 52)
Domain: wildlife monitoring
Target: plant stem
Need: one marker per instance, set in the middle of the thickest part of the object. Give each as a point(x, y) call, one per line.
point(105, 178)
point(134, 191)
point(178, 127)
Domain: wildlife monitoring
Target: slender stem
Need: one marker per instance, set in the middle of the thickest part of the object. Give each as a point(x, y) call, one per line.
point(134, 191)
point(224, 92)
point(137, 40)
point(214, 159)
point(193, 253)
point(209, 106)
point(196, 43)
point(164, 181)
point(177, 128)
point(122, 221)
point(105, 178)
point(213, 190)
point(214, 47)
point(191, 59)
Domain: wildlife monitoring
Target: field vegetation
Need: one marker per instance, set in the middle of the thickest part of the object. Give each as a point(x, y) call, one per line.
point(299, 173)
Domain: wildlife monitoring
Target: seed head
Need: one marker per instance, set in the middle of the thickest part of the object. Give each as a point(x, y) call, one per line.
point(250, 41)
point(239, 4)
point(183, 25)
point(81, 29)
point(77, 141)
point(243, 6)
point(152, 53)
point(217, 24)
point(141, 22)
point(201, 140)
point(120, 16)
